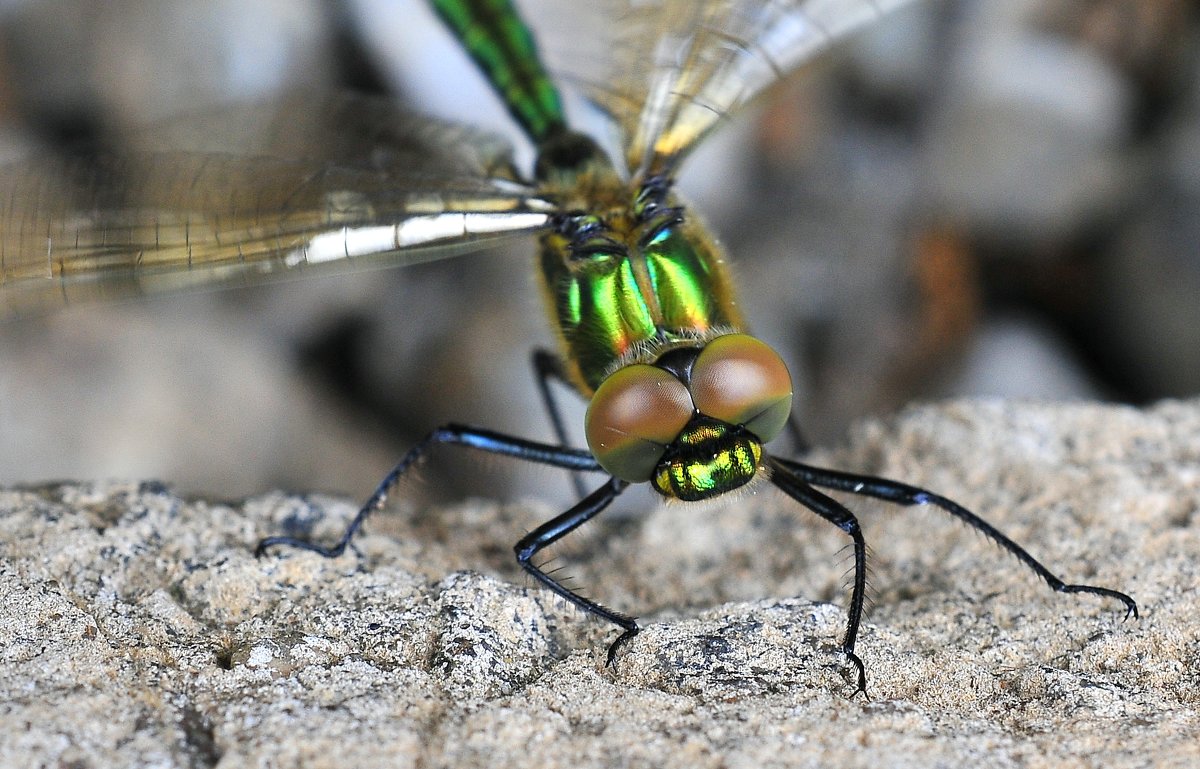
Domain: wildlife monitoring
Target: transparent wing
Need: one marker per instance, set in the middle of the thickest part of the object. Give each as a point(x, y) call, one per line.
point(253, 190)
point(343, 129)
point(668, 71)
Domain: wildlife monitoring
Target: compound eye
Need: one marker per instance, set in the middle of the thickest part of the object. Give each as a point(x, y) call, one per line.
point(740, 380)
point(633, 416)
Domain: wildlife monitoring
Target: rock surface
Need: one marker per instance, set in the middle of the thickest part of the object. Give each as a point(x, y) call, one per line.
point(138, 629)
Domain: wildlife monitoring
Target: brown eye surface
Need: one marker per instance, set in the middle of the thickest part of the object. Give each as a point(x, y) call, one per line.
point(741, 380)
point(634, 414)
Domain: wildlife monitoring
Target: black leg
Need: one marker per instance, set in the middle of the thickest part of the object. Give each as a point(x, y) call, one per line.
point(548, 366)
point(834, 512)
point(577, 460)
point(557, 528)
point(903, 494)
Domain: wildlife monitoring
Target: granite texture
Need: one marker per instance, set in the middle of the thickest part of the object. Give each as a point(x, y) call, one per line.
point(138, 629)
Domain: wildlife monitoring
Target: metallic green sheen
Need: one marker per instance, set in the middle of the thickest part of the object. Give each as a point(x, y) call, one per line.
point(603, 309)
point(681, 279)
point(599, 309)
point(503, 47)
point(709, 460)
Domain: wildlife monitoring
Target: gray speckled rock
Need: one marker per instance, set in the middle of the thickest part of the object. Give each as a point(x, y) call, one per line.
point(137, 628)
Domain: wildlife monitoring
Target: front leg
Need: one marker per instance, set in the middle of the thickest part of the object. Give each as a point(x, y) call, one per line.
point(837, 514)
point(558, 527)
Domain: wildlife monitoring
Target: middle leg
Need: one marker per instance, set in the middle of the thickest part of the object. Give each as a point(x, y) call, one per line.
point(903, 494)
point(546, 367)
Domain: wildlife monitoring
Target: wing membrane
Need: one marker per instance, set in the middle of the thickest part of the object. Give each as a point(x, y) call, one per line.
point(259, 189)
point(668, 71)
point(254, 190)
point(342, 129)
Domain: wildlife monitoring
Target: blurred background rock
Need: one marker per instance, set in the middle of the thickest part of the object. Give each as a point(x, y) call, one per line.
point(975, 197)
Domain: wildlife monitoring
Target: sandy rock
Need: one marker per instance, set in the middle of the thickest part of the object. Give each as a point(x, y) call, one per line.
point(138, 628)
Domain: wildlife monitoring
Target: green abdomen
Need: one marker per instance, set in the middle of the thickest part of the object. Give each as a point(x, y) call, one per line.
point(503, 47)
point(606, 305)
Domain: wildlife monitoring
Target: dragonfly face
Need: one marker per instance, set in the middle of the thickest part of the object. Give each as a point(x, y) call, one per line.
point(693, 423)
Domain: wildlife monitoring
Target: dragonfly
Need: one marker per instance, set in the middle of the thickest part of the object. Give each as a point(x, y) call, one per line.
point(638, 292)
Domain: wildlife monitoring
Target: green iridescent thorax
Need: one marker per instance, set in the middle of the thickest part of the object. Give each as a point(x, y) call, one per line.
point(631, 280)
point(708, 458)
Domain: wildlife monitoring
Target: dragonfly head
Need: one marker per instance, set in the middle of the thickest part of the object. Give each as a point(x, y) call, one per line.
point(566, 158)
point(694, 422)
